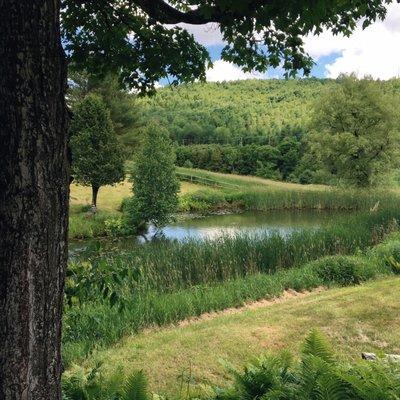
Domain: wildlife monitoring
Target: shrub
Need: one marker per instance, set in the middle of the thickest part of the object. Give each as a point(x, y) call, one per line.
point(387, 254)
point(343, 270)
point(115, 227)
point(79, 384)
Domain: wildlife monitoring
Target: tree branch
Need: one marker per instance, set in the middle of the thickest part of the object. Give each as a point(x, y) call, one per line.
point(166, 14)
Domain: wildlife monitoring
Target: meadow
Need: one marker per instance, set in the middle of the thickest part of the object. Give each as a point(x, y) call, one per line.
point(112, 295)
point(184, 360)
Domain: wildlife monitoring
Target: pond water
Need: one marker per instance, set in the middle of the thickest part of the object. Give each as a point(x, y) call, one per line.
point(215, 226)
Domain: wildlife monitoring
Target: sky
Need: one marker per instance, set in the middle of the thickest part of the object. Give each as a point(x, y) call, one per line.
point(374, 51)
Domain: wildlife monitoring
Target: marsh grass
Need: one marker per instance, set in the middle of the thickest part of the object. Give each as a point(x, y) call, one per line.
point(165, 282)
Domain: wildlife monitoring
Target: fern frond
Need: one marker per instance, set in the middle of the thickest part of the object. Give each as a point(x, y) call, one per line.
point(330, 386)
point(135, 387)
point(316, 345)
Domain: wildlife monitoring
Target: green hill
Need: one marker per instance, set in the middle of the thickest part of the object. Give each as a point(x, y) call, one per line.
point(235, 112)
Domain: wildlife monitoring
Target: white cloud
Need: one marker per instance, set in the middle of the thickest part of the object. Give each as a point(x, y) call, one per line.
point(374, 51)
point(225, 71)
point(207, 35)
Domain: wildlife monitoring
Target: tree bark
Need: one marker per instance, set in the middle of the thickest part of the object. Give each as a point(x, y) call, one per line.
point(95, 190)
point(34, 176)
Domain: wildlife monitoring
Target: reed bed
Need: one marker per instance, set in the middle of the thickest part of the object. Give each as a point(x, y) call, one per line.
point(166, 282)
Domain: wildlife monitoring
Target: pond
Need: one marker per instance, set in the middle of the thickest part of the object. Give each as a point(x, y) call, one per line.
point(215, 226)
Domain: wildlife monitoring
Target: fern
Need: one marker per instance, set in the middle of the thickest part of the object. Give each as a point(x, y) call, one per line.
point(135, 387)
point(316, 345)
point(370, 381)
point(330, 386)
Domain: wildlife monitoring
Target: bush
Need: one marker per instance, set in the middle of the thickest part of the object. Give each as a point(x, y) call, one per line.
point(387, 254)
point(343, 270)
point(188, 164)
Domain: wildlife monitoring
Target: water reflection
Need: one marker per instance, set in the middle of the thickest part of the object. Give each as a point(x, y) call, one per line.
point(215, 226)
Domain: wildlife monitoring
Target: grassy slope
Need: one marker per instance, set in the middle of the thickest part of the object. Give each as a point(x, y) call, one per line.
point(353, 319)
point(110, 197)
point(250, 182)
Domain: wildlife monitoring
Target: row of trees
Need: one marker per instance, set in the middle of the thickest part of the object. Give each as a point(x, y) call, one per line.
point(97, 160)
point(352, 138)
point(274, 162)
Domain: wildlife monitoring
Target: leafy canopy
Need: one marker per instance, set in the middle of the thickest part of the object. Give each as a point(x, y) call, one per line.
point(96, 155)
point(121, 104)
point(155, 185)
point(140, 40)
point(356, 130)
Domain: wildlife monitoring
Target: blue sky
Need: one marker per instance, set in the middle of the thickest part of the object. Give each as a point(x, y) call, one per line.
point(318, 71)
point(374, 51)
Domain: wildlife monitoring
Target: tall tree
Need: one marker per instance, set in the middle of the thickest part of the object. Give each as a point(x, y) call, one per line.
point(96, 154)
point(131, 37)
point(356, 130)
point(155, 185)
point(34, 181)
point(121, 104)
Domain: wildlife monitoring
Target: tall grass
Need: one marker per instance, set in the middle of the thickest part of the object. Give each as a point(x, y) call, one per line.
point(170, 265)
point(252, 193)
point(209, 200)
point(166, 282)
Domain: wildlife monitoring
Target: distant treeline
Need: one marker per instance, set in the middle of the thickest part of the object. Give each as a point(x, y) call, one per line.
point(236, 113)
point(285, 158)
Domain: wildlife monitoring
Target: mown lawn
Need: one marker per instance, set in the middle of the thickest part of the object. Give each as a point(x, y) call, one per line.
point(355, 319)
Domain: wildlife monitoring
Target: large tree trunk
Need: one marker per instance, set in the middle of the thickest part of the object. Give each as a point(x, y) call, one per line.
point(33, 198)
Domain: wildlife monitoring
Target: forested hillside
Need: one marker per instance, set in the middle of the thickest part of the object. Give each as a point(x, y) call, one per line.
point(235, 112)
point(253, 127)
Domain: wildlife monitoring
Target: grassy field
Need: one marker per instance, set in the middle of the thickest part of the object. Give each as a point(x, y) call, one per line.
point(253, 182)
point(110, 197)
point(355, 319)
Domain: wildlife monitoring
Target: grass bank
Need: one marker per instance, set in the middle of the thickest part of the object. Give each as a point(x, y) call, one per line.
point(167, 282)
point(187, 357)
point(235, 192)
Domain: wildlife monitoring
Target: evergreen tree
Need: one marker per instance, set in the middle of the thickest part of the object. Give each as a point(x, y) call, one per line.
point(96, 155)
point(155, 185)
point(121, 104)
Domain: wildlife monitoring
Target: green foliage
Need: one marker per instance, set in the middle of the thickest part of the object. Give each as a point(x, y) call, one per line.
point(260, 112)
point(89, 225)
point(135, 387)
point(343, 270)
point(155, 186)
point(79, 384)
point(237, 193)
point(97, 157)
point(356, 130)
point(164, 282)
point(318, 376)
point(315, 345)
point(142, 42)
point(245, 160)
point(124, 112)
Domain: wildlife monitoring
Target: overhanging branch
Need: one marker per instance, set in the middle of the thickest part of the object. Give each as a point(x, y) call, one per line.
point(166, 14)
